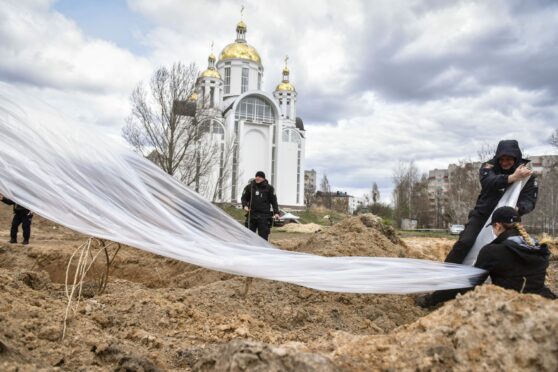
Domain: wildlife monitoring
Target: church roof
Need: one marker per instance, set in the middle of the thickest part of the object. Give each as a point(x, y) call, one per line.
point(240, 50)
point(211, 73)
point(299, 124)
point(286, 86)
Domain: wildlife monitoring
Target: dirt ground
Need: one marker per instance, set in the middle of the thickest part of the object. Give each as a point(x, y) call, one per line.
point(161, 314)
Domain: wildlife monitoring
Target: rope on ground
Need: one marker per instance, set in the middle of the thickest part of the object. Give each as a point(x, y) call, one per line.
point(82, 267)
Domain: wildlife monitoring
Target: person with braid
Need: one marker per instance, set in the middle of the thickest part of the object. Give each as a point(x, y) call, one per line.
point(514, 260)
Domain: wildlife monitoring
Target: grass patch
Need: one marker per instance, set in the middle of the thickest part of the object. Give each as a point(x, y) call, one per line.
point(317, 216)
point(426, 234)
point(236, 213)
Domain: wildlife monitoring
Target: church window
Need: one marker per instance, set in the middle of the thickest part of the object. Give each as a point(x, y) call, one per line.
point(259, 80)
point(227, 80)
point(244, 85)
point(212, 97)
point(203, 97)
point(255, 109)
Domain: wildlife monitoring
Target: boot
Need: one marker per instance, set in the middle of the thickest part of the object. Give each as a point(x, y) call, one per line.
point(25, 242)
point(13, 241)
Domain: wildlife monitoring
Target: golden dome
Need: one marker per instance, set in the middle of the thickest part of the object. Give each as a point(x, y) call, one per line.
point(286, 86)
point(193, 97)
point(211, 73)
point(286, 71)
point(212, 57)
point(240, 50)
point(241, 24)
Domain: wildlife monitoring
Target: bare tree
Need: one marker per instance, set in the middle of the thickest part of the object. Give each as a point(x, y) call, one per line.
point(463, 188)
point(554, 138)
point(309, 196)
point(210, 176)
point(375, 193)
point(410, 193)
point(486, 152)
point(176, 143)
point(325, 188)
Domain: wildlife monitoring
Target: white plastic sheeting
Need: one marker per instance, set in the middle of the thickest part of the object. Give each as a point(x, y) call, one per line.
point(94, 184)
point(486, 235)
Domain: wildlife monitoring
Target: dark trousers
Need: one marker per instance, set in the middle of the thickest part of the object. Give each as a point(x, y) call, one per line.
point(466, 239)
point(25, 221)
point(260, 224)
point(458, 253)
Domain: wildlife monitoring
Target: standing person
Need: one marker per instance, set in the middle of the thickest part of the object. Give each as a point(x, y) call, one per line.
point(22, 216)
point(496, 175)
point(514, 260)
point(258, 199)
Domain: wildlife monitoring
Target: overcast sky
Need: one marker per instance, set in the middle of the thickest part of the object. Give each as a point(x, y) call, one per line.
point(378, 82)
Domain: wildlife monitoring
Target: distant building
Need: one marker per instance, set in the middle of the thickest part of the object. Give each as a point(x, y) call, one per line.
point(338, 201)
point(265, 133)
point(310, 177)
point(438, 187)
point(355, 203)
point(543, 163)
point(408, 224)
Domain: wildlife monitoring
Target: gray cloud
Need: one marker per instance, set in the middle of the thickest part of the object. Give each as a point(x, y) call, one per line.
point(378, 82)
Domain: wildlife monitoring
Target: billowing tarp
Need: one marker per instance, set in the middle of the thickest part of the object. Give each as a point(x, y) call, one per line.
point(82, 179)
point(486, 235)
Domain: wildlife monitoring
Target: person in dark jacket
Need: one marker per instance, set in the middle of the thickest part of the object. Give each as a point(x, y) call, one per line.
point(514, 260)
point(22, 216)
point(258, 200)
point(496, 175)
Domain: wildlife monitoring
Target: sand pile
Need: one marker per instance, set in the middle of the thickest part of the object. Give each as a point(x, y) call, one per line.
point(364, 235)
point(239, 355)
point(487, 329)
point(435, 249)
point(301, 228)
point(161, 314)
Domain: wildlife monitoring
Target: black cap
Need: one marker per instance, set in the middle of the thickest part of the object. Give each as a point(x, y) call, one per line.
point(504, 215)
point(260, 174)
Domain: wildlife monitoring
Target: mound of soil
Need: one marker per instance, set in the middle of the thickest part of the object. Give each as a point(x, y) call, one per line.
point(242, 355)
point(487, 329)
point(161, 314)
point(435, 249)
point(364, 235)
point(301, 228)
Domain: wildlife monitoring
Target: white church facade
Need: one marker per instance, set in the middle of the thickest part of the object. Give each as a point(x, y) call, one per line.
point(257, 130)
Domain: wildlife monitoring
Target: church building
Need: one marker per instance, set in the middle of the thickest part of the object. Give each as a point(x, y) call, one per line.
point(262, 129)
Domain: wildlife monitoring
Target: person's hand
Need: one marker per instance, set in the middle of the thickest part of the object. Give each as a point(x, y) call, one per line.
point(247, 209)
point(520, 173)
point(276, 216)
point(1, 196)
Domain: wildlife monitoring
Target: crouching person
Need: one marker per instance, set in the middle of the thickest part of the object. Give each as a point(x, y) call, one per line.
point(23, 217)
point(514, 260)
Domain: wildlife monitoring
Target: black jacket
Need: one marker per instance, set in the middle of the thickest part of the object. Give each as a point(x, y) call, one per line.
point(260, 198)
point(18, 209)
point(494, 182)
point(513, 264)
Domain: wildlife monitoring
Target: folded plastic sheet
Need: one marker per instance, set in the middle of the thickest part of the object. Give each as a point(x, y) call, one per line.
point(80, 178)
